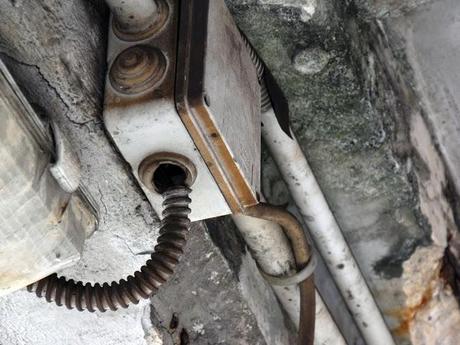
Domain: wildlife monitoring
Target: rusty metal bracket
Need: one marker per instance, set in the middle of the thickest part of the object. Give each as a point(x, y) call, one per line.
point(293, 279)
point(302, 253)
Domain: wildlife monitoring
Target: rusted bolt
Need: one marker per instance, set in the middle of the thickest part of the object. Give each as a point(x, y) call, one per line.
point(138, 20)
point(165, 169)
point(137, 69)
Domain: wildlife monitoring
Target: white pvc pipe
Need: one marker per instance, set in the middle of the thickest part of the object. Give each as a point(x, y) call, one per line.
point(270, 248)
point(133, 16)
point(325, 231)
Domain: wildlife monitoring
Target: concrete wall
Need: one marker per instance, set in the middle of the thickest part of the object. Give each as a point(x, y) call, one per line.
point(373, 93)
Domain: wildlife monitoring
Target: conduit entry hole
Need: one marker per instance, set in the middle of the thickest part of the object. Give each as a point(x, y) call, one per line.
point(163, 170)
point(168, 175)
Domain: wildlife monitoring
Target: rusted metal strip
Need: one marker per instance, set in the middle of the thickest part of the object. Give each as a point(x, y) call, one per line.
point(195, 113)
point(302, 253)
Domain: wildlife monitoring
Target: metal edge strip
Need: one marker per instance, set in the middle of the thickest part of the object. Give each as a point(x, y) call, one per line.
point(193, 111)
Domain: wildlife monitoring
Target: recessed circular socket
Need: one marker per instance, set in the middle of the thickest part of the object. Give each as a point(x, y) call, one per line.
point(161, 171)
point(137, 69)
point(144, 30)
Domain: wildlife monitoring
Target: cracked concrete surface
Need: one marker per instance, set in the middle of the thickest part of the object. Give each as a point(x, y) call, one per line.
point(60, 59)
point(204, 296)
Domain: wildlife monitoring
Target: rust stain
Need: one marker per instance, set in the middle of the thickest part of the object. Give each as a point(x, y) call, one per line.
point(115, 101)
point(56, 217)
point(234, 186)
point(407, 315)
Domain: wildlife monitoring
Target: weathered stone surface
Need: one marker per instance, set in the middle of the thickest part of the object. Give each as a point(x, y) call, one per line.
point(307, 8)
point(438, 321)
point(430, 43)
point(429, 40)
point(311, 61)
point(368, 146)
point(386, 8)
point(394, 88)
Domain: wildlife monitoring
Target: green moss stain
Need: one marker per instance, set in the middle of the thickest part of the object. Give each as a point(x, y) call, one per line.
point(347, 141)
